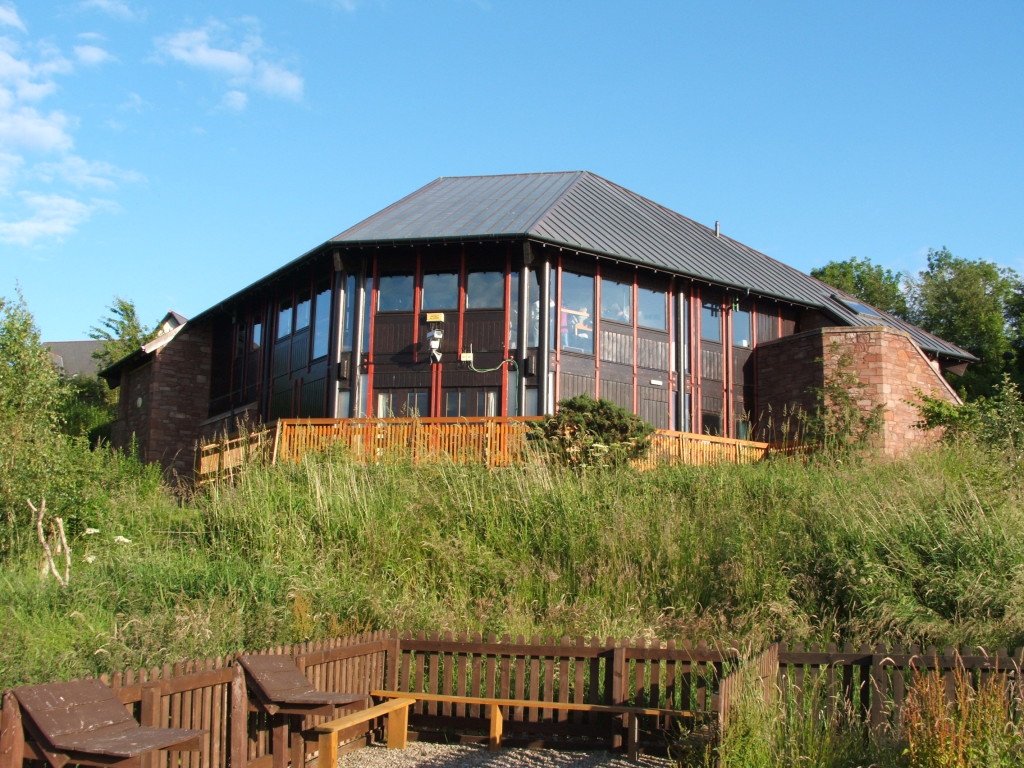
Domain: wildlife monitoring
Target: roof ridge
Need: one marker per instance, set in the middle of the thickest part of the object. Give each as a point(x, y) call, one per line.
point(577, 176)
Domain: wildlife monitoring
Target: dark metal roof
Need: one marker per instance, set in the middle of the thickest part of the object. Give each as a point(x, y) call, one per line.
point(583, 211)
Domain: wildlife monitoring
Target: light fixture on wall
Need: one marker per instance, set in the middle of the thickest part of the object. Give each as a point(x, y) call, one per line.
point(435, 332)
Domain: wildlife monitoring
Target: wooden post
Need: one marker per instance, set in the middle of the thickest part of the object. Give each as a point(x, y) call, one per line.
point(150, 715)
point(328, 750)
point(12, 734)
point(619, 664)
point(397, 723)
point(879, 684)
point(238, 751)
point(394, 655)
point(494, 739)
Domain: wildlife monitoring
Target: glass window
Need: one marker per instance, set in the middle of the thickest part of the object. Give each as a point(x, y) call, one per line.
point(487, 402)
point(440, 291)
point(322, 323)
point(302, 314)
point(533, 300)
point(394, 293)
point(384, 405)
point(453, 403)
point(484, 290)
point(513, 313)
point(364, 334)
point(712, 423)
point(576, 313)
point(616, 302)
point(417, 405)
point(741, 325)
point(284, 319)
point(349, 300)
point(651, 309)
point(711, 322)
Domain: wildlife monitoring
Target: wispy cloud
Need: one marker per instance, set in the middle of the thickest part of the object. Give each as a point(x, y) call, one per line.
point(46, 217)
point(9, 17)
point(92, 55)
point(119, 9)
point(42, 179)
point(237, 55)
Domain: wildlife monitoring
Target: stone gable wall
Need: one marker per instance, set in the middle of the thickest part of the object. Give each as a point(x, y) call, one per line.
point(164, 402)
point(891, 368)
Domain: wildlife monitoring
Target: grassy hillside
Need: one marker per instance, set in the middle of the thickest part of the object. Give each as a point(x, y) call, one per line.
point(929, 549)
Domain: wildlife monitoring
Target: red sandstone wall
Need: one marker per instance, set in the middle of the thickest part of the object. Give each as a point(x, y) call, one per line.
point(891, 368)
point(164, 402)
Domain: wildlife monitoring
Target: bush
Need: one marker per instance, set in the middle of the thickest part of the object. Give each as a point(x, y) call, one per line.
point(996, 421)
point(585, 432)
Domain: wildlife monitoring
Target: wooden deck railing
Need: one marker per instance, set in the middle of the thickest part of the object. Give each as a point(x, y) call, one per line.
point(491, 441)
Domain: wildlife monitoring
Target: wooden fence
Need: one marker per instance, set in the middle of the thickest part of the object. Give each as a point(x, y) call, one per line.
point(491, 441)
point(580, 670)
point(212, 695)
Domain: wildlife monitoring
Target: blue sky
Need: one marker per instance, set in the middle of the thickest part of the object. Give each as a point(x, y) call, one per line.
point(174, 152)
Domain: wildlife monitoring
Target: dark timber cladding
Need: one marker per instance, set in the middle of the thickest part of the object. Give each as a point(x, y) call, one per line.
point(502, 295)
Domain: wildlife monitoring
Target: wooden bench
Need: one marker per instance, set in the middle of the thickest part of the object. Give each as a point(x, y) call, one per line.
point(397, 726)
point(496, 718)
point(287, 695)
point(84, 722)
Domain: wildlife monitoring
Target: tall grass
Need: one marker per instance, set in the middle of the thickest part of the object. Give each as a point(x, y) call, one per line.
point(810, 727)
point(927, 549)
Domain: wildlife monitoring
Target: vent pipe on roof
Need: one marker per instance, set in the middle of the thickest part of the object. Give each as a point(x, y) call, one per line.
point(718, 229)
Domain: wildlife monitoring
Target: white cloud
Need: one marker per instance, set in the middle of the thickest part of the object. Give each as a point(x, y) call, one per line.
point(26, 128)
point(92, 54)
point(277, 81)
point(10, 165)
point(238, 55)
point(47, 217)
point(119, 9)
point(9, 17)
point(235, 101)
point(42, 180)
point(134, 103)
point(193, 47)
point(81, 173)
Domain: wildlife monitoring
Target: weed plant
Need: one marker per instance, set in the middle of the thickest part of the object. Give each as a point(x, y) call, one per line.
point(980, 727)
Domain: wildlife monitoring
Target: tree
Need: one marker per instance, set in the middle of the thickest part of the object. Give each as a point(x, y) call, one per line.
point(879, 287)
point(121, 333)
point(31, 397)
point(971, 304)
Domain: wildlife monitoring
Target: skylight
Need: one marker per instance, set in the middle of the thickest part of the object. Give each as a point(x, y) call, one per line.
point(857, 306)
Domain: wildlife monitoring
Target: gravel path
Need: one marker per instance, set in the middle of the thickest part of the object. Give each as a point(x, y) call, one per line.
point(427, 755)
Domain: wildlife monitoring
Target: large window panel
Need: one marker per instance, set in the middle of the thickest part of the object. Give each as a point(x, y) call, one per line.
point(484, 290)
point(651, 311)
point(440, 291)
point(616, 301)
point(711, 321)
point(576, 313)
point(394, 293)
point(322, 323)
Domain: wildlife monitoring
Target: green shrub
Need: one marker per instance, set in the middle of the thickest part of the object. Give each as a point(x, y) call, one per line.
point(996, 421)
point(585, 432)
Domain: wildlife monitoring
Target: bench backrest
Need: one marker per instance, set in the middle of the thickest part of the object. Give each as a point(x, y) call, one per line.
point(276, 676)
point(80, 706)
